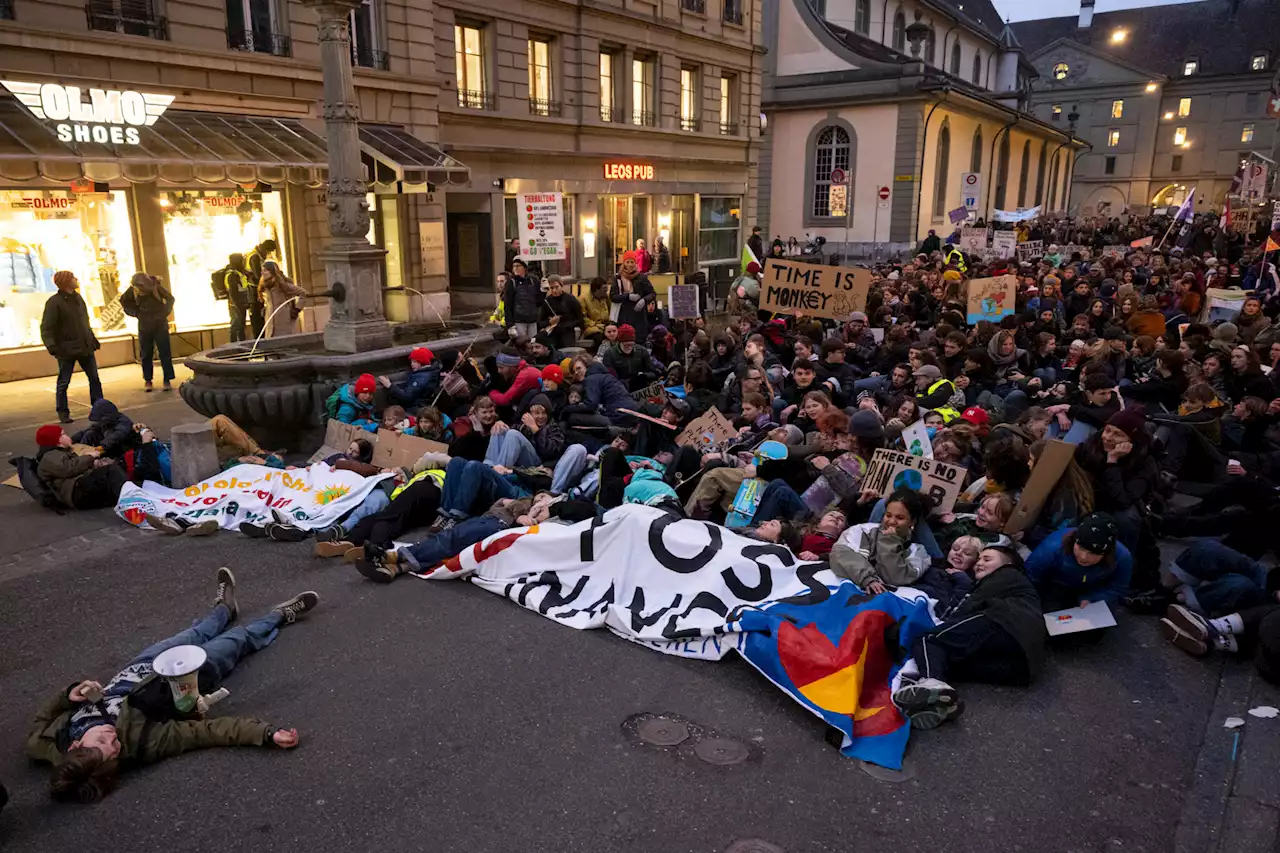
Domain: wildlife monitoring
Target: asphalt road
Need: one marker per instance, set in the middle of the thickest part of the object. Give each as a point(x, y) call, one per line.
point(436, 716)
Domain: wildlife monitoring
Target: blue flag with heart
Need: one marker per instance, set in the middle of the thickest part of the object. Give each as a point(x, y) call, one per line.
point(838, 657)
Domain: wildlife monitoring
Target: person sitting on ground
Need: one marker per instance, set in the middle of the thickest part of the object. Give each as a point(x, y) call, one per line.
point(1125, 475)
point(90, 732)
point(1076, 566)
point(1070, 500)
point(995, 634)
point(472, 433)
point(81, 481)
point(354, 403)
point(629, 361)
point(1096, 403)
point(987, 523)
point(1253, 630)
point(538, 440)
point(237, 447)
point(879, 556)
point(420, 386)
point(520, 377)
point(1211, 579)
point(109, 430)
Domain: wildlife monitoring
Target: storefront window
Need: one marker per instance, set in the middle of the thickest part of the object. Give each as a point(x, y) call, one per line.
point(384, 232)
point(201, 228)
point(43, 231)
point(718, 229)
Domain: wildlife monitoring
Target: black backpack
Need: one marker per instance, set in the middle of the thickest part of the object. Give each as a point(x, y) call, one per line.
point(218, 281)
point(29, 479)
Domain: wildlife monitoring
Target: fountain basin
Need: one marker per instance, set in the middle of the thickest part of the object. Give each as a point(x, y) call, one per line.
point(278, 393)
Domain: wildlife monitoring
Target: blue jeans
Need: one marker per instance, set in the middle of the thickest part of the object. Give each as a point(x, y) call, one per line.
point(779, 500)
point(449, 543)
point(1077, 434)
point(569, 469)
point(470, 484)
point(923, 534)
point(1219, 580)
point(376, 501)
point(66, 367)
point(511, 450)
point(224, 648)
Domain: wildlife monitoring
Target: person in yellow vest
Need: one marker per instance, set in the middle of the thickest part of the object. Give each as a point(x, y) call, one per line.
point(938, 394)
point(414, 503)
point(954, 257)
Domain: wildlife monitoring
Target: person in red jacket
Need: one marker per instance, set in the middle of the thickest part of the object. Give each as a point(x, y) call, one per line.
point(523, 378)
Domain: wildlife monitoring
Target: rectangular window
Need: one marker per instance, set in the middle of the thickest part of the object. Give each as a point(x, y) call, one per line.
point(1184, 107)
point(719, 224)
point(1117, 109)
point(689, 100)
point(131, 17)
point(366, 38)
point(473, 92)
point(1113, 138)
point(1176, 164)
point(733, 12)
point(1180, 136)
point(255, 26)
point(642, 92)
point(541, 92)
point(1246, 133)
point(699, 6)
point(608, 89)
point(1109, 166)
point(728, 100)
point(1055, 112)
point(1191, 66)
point(1258, 62)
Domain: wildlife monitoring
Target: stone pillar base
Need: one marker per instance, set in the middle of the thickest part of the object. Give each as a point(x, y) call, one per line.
point(357, 323)
point(346, 336)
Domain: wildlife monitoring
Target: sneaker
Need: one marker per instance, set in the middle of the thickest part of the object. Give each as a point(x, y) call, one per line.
point(167, 526)
point(333, 533)
point(378, 565)
point(1189, 622)
point(167, 386)
point(928, 703)
point(148, 388)
point(1189, 643)
point(335, 548)
point(295, 607)
point(286, 533)
point(204, 528)
point(253, 531)
point(66, 419)
point(227, 592)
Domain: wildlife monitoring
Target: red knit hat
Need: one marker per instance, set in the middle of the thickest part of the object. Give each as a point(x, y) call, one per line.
point(553, 373)
point(48, 435)
point(365, 384)
point(626, 332)
point(422, 355)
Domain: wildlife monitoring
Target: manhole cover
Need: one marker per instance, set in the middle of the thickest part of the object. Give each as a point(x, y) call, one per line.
point(752, 845)
point(661, 732)
point(718, 750)
point(884, 774)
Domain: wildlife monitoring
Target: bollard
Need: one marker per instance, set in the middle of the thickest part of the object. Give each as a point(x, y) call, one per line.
point(194, 454)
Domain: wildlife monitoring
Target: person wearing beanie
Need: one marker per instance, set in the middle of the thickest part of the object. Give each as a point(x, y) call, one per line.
point(521, 301)
point(1125, 476)
point(552, 377)
point(1079, 565)
point(354, 403)
point(518, 377)
point(629, 361)
point(109, 429)
point(420, 386)
point(632, 293)
point(82, 481)
point(67, 335)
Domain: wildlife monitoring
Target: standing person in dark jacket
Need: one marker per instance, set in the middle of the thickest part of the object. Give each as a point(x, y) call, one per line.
point(521, 302)
point(66, 334)
point(151, 303)
point(240, 292)
point(632, 293)
point(995, 634)
point(254, 263)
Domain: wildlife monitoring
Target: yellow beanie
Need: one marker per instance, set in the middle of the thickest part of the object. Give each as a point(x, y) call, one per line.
point(951, 275)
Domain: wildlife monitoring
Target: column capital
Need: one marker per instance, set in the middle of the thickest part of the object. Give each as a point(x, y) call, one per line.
point(331, 9)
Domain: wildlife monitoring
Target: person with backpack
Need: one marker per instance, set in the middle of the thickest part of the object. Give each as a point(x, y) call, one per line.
point(78, 480)
point(240, 290)
point(255, 262)
point(353, 403)
point(90, 732)
point(151, 303)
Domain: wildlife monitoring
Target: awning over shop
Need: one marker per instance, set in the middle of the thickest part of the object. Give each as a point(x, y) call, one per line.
point(399, 156)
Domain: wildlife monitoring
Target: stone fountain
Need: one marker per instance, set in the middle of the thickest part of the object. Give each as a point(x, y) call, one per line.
point(276, 389)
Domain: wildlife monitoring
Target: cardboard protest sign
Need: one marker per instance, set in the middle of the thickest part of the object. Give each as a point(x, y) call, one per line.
point(654, 389)
point(893, 469)
point(915, 439)
point(972, 239)
point(991, 298)
point(394, 450)
point(1113, 252)
point(1030, 250)
point(813, 289)
point(1071, 248)
point(1222, 304)
point(337, 438)
point(684, 301)
point(1055, 458)
point(706, 431)
point(1004, 242)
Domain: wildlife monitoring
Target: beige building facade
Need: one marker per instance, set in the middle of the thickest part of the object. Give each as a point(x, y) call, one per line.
point(162, 135)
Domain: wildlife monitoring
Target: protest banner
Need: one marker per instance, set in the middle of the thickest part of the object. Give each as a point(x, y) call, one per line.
point(893, 469)
point(1143, 243)
point(1019, 215)
point(654, 389)
point(814, 290)
point(394, 450)
point(973, 239)
point(1004, 243)
point(960, 214)
point(337, 438)
point(916, 439)
point(1071, 248)
point(1222, 304)
point(706, 431)
point(1114, 252)
point(1053, 461)
point(991, 298)
point(1030, 250)
point(684, 301)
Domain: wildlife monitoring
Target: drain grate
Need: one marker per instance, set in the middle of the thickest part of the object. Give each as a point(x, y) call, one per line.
point(884, 774)
point(663, 732)
point(752, 845)
point(721, 751)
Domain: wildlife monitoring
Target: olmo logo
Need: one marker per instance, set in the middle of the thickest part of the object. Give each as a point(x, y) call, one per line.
point(105, 116)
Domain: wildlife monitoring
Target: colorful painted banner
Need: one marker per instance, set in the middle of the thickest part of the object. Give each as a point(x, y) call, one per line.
point(991, 298)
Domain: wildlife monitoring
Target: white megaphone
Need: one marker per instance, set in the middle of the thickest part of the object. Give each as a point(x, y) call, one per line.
point(180, 667)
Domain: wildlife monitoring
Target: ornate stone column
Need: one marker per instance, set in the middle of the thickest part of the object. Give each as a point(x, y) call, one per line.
point(353, 266)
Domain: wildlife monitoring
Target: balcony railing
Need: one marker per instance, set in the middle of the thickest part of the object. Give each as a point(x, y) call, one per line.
point(275, 44)
point(366, 58)
point(613, 115)
point(130, 17)
point(699, 6)
point(643, 118)
point(733, 12)
point(544, 107)
point(6, 10)
point(474, 99)
point(728, 128)
point(689, 124)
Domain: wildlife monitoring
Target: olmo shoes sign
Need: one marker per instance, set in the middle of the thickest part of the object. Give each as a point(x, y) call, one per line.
point(105, 116)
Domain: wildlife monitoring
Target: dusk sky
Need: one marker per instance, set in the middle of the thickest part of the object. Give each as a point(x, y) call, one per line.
point(1025, 10)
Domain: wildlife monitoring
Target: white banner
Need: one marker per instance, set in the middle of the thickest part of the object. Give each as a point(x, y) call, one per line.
point(541, 226)
point(1016, 215)
point(312, 497)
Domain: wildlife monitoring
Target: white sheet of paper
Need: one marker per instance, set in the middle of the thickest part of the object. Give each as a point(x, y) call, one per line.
point(917, 436)
point(878, 335)
point(1076, 619)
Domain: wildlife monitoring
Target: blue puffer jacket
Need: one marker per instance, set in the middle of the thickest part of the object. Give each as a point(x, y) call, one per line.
point(352, 411)
point(418, 389)
point(605, 391)
point(1056, 574)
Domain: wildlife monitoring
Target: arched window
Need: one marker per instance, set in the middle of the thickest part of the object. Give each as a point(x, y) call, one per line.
point(975, 158)
point(1040, 173)
point(1002, 173)
point(899, 31)
point(940, 172)
point(1053, 184)
point(1022, 178)
point(955, 59)
point(862, 17)
point(831, 150)
point(977, 69)
point(931, 47)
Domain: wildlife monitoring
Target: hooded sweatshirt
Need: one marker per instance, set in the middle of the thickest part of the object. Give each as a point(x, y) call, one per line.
point(108, 429)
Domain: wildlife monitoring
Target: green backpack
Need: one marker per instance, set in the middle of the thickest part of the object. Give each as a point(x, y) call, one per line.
point(331, 404)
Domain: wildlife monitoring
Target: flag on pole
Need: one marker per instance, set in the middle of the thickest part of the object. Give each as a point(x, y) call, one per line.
point(1272, 244)
point(1185, 210)
point(1224, 222)
point(748, 257)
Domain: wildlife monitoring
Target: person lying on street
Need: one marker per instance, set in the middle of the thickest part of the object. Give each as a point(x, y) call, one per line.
point(880, 556)
point(86, 480)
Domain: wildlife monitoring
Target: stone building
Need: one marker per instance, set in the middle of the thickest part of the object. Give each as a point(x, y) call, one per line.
point(920, 106)
point(1171, 98)
point(162, 135)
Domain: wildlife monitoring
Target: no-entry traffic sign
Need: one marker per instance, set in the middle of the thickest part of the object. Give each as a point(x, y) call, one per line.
point(838, 176)
point(884, 193)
